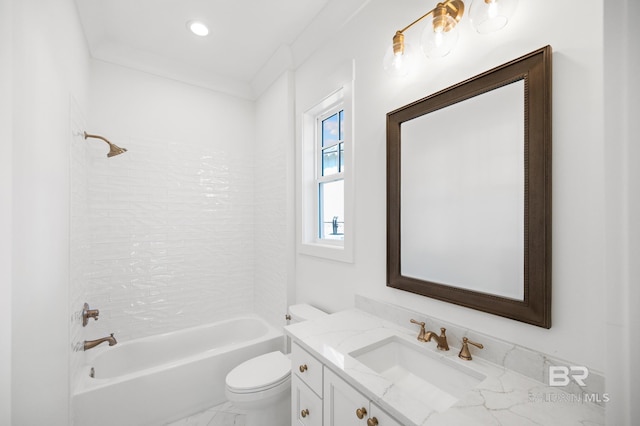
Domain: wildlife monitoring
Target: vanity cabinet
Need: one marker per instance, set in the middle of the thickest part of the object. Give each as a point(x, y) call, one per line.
point(306, 388)
point(320, 398)
point(345, 406)
point(306, 406)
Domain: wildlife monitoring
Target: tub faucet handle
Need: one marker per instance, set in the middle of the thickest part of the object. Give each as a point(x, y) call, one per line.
point(88, 313)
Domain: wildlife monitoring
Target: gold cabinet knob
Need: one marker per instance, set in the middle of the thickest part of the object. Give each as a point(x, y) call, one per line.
point(361, 412)
point(372, 421)
point(303, 368)
point(304, 413)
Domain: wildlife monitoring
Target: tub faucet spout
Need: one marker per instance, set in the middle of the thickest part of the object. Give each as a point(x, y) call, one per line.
point(88, 344)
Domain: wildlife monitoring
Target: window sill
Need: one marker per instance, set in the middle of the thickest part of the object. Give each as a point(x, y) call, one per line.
point(327, 251)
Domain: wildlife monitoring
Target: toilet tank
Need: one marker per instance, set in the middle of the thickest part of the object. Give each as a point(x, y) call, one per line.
point(299, 313)
point(303, 312)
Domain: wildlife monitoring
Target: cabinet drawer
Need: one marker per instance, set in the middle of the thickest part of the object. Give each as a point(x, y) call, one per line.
point(307, 368)
point(306, 406)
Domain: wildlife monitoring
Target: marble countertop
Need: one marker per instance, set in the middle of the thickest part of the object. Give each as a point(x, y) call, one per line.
point(503, 397)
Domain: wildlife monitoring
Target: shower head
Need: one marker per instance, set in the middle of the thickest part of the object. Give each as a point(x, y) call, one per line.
point(113, 148)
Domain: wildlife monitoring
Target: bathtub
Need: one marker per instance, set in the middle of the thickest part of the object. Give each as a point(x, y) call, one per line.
point(159, 379)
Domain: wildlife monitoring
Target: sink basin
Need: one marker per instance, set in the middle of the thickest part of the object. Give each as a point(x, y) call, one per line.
point(427, 375)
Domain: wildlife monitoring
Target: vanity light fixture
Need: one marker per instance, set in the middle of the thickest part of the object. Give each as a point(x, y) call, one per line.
point(441, 35)
point(198, 28)
point(488, 16)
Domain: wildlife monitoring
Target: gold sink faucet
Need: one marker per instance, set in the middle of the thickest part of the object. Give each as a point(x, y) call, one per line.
point(426, 336)
point(441, 340)
point(88, 344)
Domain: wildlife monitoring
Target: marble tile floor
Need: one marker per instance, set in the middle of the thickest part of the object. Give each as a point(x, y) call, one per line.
point(224, 414)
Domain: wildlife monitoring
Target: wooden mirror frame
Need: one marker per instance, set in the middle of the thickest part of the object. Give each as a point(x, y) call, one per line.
point(535, 69)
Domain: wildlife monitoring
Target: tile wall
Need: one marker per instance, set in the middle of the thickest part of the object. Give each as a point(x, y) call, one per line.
point(171, 235)
point(273, 220)
point(270, 242)
point(79, 229)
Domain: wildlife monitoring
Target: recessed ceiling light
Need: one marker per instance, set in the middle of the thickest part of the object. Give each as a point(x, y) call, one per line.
point(198, 28)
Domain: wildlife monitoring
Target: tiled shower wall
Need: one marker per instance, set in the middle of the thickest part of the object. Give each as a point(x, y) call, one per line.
point(171, 236)
point(79, 236)
point(273, 218)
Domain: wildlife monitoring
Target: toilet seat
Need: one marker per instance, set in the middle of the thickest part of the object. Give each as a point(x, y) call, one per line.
point(259, 374)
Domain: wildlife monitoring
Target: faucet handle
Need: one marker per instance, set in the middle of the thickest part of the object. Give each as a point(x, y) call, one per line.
point(422, 330)
point(89, 313)
point(464, 351)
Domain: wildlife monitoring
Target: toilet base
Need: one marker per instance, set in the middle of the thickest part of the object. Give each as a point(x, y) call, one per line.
point(273, 410)
point(278, 414)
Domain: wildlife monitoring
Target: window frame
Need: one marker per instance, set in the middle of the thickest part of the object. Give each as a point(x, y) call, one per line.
point(309, 241)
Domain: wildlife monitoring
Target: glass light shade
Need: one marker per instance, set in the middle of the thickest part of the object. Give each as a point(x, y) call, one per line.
point(439, 37)
point(487, 16)
point(399, 65)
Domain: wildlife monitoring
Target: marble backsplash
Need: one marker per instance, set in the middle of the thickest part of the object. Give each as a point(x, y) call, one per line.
point(527, 362)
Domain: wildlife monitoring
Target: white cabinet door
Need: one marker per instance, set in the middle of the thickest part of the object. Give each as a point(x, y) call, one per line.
point(345, 406)
point(341, 403)
point(306, 406)
point(380, 418)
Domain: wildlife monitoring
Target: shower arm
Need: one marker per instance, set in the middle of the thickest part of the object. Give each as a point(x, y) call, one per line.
point(113, 148)
point(87, 135)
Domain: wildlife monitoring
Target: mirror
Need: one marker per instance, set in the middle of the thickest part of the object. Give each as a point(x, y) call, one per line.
point(469, 192)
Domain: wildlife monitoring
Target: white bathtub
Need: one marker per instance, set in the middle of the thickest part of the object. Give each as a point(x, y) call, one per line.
point(163, 378)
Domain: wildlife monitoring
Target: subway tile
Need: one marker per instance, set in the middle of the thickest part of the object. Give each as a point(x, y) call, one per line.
point(168, 232)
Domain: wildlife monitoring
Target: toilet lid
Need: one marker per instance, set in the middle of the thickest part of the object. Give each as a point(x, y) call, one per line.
point(260, 373)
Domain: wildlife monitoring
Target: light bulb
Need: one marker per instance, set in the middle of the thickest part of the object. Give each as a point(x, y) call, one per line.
point(439, 38)
point(399, 64)
point(198, 28)
point(491, 15)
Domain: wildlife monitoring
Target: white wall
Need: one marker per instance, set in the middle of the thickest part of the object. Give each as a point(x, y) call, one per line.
point(50, 65)
point(622, 107)
point(578, 187)
point(45, 44)
point(171, 220)
point(274, 210)
point(6, 130)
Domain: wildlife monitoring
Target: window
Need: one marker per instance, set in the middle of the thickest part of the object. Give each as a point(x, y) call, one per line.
point(330, 174)
point(327, 158)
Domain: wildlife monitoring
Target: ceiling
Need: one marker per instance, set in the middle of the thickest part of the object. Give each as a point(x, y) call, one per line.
point(151, 35)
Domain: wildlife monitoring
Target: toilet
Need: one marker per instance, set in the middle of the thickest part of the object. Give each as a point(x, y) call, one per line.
point(261, 386)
